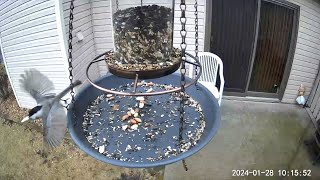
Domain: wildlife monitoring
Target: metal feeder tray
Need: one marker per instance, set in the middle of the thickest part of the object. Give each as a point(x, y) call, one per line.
point(145, 74)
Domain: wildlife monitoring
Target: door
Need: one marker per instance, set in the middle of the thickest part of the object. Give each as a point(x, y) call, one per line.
point(272, 49)
point(232, 39)
point(255, 40)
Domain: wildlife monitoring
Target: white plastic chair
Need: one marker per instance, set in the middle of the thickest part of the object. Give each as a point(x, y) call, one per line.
point(210, 65)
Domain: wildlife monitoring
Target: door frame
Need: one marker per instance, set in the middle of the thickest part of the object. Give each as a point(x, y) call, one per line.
point(292, 47)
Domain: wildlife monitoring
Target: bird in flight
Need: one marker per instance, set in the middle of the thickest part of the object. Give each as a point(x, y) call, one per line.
point(48, 108)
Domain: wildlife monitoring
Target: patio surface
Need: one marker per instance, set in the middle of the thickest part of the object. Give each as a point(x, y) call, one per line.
point(252, 136)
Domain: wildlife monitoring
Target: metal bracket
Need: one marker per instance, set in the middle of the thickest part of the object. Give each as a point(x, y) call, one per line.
point(97, 59)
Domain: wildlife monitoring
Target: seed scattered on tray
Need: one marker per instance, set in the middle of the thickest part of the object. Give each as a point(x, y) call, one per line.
point(134, 127)
point(101, 149)
point(124, 127)
point(123, 130)
point(115, 107)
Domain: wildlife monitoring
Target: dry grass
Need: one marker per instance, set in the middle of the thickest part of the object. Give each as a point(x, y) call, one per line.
point(21, 157)
point(9, 108)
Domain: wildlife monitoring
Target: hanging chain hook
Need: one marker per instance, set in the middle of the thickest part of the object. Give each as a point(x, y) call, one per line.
point(72, 93)
point(196, 36)
point(183, 47)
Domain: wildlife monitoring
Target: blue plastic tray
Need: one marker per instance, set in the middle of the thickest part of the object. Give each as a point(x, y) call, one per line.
point(208, 103)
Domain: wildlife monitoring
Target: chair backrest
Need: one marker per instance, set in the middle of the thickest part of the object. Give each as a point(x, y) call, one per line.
point(210, 65)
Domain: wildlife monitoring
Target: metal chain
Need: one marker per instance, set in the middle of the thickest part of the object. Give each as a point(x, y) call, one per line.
point(196, 35)
point(70, 50)
point(183, 47)
point(117, 5)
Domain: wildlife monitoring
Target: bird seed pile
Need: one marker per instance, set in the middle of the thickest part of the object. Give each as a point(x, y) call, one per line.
point(139, 129)
point(143, 35)
point(112, 61)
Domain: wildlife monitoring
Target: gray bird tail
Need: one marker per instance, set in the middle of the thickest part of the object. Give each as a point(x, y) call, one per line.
point(64, 92)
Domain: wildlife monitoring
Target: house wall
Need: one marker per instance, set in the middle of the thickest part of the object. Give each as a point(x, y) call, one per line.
point(83, 51)
point(307, 55)
point(30, 38)
point(190, 25)
point(102, 29)
point(306, 58)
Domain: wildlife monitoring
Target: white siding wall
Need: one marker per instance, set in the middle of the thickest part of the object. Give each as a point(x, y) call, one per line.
point(83, 51)
point(307, 54)
point(30, 39)
point(102, 29)
point(190, 25)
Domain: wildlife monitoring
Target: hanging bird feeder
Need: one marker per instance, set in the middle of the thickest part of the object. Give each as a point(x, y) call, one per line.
point(158, 118)
point(143, 37)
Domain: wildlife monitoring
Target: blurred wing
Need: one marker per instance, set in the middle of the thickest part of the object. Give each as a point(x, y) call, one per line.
point(37, 85)
point(55, 126)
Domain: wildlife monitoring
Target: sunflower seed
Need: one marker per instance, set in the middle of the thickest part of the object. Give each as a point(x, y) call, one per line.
point(124, 127)
point(134, 127)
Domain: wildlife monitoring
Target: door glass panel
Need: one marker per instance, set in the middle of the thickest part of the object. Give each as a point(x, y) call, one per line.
point(275, 31)
point(232, 39)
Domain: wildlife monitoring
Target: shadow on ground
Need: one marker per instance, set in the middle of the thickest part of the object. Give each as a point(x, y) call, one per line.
point(252, 136)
